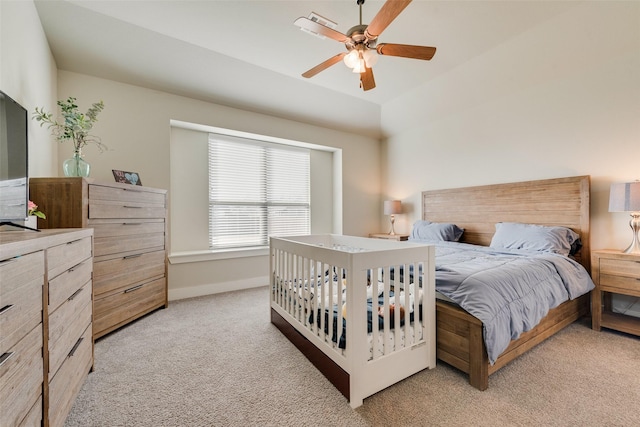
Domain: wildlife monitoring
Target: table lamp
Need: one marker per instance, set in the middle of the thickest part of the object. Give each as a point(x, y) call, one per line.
point(625, 197)
point(392, 207)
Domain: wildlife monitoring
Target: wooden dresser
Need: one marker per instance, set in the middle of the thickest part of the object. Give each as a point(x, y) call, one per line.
point(46, 347)
point(130, 242)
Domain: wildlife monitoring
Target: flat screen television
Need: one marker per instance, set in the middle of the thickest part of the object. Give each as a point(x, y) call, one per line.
point(14, 163)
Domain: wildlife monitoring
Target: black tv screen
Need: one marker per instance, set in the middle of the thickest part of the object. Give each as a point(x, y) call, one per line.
point(14, 166)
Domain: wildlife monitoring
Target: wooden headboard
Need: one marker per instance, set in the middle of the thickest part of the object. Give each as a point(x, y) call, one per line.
point(560, 201)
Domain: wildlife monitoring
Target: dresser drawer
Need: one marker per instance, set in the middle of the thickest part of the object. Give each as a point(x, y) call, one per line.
point(108, 209)
point(66, 384)
point(129, 195)
point(113, 274)
point(21, 378)
point(128, 245)
point(20, 298)
point(15, 272)
point(68, 283)
point(34, 417)
point(66, 324)
point(63, 257)
point(113, 310)
point(126, 227)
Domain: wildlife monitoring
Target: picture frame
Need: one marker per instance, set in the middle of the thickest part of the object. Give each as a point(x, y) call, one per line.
point(132, 178)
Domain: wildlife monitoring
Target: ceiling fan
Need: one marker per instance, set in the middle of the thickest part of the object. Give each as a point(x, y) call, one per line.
point(361, 43)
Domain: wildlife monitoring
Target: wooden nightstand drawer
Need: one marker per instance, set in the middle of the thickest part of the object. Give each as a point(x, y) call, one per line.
point(21, 378)
point(620, 284)
point(63, 257)
point(620, 267)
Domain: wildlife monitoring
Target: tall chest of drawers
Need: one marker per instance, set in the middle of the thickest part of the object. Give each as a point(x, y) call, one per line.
point(45, 323)
point(130, 241)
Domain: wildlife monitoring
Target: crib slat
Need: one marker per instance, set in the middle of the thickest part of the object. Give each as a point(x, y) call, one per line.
point(387, 315)
point(408, 336)
point(374, 315)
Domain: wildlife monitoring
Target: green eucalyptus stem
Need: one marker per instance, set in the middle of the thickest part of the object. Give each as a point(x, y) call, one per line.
point(75, 125)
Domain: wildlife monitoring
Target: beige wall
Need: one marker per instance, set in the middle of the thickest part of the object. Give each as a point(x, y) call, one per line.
point(559, 100)
point(28, 75)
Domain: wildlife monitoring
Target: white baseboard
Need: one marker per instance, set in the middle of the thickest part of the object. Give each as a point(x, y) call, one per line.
point(216, 288)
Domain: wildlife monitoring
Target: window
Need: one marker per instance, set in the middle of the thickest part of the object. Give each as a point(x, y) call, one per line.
point(256, 190)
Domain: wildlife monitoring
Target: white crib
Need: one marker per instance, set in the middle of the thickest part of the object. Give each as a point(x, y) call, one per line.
point(321, 282)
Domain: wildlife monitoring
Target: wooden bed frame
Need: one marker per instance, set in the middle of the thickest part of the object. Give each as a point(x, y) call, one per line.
point(560, 202)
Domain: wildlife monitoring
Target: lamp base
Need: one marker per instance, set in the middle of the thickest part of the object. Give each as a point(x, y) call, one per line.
point(634, 248)
point(392, 232)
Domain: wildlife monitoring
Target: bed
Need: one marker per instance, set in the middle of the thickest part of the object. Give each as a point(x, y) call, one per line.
point(460, 340)
point(335, 299)
point(551, 202)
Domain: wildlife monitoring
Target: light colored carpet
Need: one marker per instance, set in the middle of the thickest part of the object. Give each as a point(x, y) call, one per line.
point(218, 361)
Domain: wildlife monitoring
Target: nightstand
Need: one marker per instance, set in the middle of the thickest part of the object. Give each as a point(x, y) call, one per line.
point(400, 237)
point(614, 272)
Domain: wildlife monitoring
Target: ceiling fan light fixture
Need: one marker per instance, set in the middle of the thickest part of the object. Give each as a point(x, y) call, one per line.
point(370, 57)
point(351, 59)
point(360, 66)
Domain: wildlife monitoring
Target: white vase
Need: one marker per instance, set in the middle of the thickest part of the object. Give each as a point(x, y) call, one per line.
point(32, 222)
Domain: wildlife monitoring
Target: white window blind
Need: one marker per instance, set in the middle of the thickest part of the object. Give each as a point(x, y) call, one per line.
point(256, 190)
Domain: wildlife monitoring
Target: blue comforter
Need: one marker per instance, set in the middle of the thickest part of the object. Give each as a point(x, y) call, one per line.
point(509, 291)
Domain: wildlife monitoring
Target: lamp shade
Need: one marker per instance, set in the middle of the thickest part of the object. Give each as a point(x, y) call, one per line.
point(392, 207)
point(624, 197)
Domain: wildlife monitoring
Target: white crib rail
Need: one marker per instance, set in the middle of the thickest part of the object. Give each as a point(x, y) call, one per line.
point(310, 275)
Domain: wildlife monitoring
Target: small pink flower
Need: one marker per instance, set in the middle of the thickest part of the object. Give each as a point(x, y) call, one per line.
point(33, 210)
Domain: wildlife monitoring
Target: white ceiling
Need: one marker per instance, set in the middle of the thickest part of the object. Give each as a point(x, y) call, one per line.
point(248, 54)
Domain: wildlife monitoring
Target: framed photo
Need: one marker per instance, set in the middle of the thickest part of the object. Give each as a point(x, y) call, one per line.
point(127, 177)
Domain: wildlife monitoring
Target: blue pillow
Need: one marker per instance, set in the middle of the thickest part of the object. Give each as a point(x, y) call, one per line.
point(434, 231)
point(532, 237)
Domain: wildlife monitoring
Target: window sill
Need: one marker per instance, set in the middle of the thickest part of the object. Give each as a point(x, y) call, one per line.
point(214, 255)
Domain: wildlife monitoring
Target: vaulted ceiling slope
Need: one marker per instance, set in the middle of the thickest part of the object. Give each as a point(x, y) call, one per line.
point(249, 55)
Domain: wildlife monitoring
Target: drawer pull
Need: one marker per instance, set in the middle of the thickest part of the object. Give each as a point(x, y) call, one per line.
point(8, 261)
point(132, 207)
point(5, 357)
point(75, 294)
point(74, 241)
point(133, 289)
point(131, 256)
point(75, 347)
point(6, 308)
point(131, 223)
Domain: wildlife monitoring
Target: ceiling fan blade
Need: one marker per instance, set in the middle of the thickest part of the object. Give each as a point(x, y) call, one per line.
point(389, 11)
point(313, 26)
point(406, 51)
point(324, 65)
point(366, 79)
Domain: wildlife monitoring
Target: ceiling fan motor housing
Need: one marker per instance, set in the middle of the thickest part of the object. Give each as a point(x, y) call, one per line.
point(356, 37)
